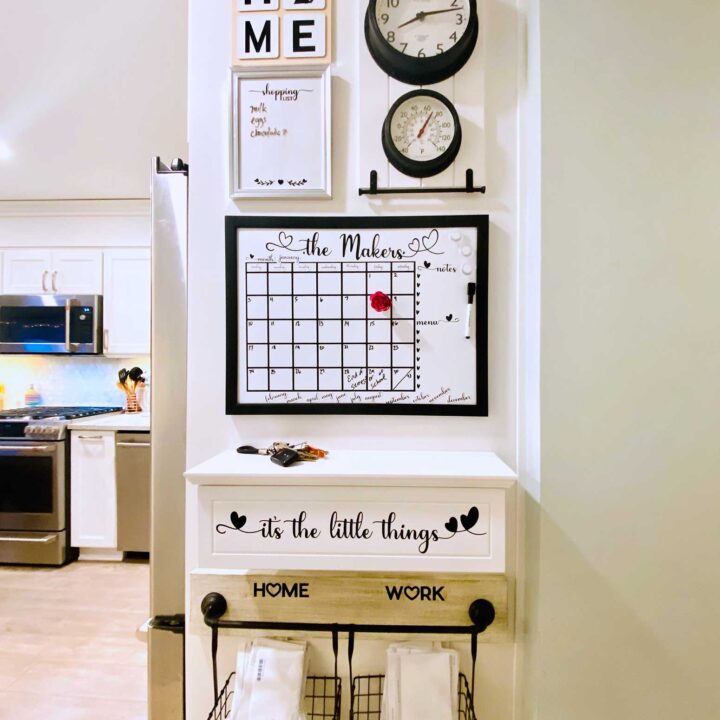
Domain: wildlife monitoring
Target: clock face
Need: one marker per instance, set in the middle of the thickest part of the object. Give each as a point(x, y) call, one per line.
point(423, 28)
point(422, 128)
point(421, 134)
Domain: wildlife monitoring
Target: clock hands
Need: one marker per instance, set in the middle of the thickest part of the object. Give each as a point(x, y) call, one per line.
point(422, 15)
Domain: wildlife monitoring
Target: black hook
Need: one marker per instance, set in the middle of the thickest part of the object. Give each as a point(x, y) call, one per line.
point(482, 614)
point(213, 606)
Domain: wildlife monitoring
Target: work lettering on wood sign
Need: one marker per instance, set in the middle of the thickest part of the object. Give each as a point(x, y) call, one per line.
point(281, 32)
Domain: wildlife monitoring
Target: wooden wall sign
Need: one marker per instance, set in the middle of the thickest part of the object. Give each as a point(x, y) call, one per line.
point(357, 598)
point(281, 32)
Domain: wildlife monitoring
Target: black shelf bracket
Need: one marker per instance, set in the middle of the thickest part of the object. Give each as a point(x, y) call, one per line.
point(469, 187)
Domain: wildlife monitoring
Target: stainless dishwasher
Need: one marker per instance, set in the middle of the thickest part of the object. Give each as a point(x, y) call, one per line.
point(132, 467)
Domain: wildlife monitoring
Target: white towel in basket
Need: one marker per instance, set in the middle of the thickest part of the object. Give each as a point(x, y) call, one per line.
point(273, 681)
point(421, 681)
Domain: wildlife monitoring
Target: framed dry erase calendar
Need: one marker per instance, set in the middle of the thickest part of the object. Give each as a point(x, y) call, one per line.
point(357, 315)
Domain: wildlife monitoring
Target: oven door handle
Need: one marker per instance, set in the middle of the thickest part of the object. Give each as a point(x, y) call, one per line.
point(28, 448)
point(45, 540)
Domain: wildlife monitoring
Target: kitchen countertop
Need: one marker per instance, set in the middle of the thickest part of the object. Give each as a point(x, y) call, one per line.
point(134, 422)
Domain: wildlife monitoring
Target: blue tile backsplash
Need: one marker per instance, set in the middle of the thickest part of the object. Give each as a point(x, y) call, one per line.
point(66, 380)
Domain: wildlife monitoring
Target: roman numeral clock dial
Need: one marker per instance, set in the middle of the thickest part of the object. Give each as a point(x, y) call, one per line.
point(421, 42)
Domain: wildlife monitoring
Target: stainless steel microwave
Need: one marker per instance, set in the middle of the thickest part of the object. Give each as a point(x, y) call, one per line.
point(51, 324)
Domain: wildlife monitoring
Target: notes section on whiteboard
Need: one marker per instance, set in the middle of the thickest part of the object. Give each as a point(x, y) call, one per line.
point(360, 315)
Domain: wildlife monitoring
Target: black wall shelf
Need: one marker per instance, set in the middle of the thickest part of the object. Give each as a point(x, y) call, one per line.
point(469, 187)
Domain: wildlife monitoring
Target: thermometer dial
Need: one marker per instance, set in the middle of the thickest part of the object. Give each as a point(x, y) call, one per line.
point(421, 134)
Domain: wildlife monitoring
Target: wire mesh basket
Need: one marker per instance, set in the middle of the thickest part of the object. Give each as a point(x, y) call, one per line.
point(322, 699)
point(368, 692)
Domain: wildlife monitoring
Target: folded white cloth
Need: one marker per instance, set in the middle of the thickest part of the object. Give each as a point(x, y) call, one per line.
point(421, 681)
point(273, 679)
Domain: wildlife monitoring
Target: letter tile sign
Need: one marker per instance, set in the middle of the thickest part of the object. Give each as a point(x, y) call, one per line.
point(281, 32)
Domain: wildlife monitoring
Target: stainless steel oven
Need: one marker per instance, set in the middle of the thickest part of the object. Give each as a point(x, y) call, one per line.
point(35, 483)
point(51, 324)
point(33, 502)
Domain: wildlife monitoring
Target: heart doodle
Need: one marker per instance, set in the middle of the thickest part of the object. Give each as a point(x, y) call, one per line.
point(449, 317)
point(281, 182)
point(238, 521)
point(412, 592)
point(252, 257)
point(470, 520)
point(430, 241)
point(273, 589)
point(426, 264)
point(452, 525)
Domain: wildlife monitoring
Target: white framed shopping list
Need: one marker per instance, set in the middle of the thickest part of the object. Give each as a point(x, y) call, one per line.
point(281, 134)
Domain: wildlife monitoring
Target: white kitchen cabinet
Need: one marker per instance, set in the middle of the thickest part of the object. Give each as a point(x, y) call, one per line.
point(26, 271)
point(127, 302)
point(77, 272)
point(93, 498)
point(65, 272)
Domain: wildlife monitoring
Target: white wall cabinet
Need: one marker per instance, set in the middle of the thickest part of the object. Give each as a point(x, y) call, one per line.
point(64, 272)
point(92, 493)
point(126, 290)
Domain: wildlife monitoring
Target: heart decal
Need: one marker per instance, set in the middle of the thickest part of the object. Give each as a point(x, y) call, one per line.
point(449, 317)
point(411, 592)
point(273, 589)
point(252, 257)
point(238, 521)
point(470, 520)
point(452, 525)
point(426, 264)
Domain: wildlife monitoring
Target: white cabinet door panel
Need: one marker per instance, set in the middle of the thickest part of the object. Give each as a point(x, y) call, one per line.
point(127, 302)
point(77, 272)
point(27, 271)
point(93, 498)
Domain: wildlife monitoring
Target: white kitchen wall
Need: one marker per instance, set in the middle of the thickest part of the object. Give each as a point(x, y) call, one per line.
point(89, 92)
point(210, 431)
point(65, 380)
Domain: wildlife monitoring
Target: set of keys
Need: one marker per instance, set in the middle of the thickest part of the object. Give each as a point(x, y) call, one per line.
point(281, 453)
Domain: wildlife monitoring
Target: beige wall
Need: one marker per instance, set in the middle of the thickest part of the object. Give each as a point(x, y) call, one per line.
point(629, 624)
point(90, 91)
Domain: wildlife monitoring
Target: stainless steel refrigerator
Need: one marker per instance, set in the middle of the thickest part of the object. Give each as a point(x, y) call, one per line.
point(168, 427)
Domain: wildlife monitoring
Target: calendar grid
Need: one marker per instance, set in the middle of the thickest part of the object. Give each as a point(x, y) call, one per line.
point(320, 332)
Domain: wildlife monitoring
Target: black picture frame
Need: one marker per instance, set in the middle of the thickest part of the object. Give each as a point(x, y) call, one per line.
point(234, 223)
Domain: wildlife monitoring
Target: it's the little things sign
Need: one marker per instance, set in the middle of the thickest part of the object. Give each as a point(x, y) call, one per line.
point(416, 530)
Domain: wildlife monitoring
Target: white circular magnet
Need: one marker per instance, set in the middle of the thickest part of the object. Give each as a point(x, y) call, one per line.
point(467, 251)
point(467, 269)
point(456, 236)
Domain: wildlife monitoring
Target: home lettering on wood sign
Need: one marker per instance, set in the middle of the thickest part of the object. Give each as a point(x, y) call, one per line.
point(281, 32)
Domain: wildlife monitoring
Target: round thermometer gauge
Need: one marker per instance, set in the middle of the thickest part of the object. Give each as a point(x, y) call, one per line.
point(421, 134)
point(421, 42)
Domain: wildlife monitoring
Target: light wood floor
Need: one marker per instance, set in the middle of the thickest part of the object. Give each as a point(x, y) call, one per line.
point(68, 643)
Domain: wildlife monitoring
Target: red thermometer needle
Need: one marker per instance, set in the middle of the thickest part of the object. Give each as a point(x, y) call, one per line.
point(422, 129)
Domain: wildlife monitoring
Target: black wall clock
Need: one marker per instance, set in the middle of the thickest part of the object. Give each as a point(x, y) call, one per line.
point(421, 134)
point(421, 42)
